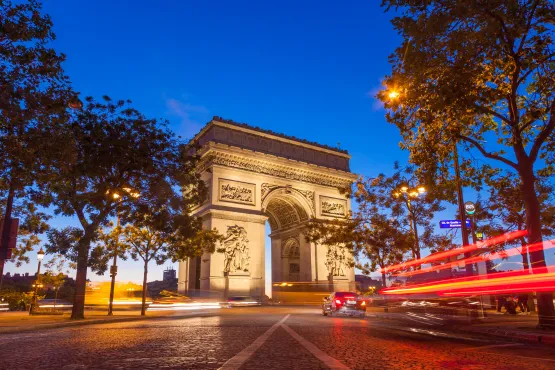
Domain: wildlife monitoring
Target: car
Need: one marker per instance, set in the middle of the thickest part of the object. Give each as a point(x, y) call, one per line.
point(344, 303)
point(242, 301)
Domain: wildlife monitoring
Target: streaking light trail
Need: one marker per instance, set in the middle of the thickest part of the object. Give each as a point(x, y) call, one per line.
point(482, 258)
point(504, 282)
point(455, 252)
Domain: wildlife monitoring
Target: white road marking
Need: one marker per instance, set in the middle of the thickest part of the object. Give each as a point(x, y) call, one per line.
point(330, 362)
point(239, 359)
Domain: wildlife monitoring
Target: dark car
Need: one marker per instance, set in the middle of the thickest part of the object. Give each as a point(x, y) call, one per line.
point(242, 301)
point(344, 303)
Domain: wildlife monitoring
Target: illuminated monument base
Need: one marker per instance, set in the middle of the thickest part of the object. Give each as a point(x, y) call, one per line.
point(254, 177)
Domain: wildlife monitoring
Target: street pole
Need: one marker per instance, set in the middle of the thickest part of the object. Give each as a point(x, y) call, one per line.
point(34, 301)
point(113, 273)
point(473, 229)
point(413, 226)
point(462, 212)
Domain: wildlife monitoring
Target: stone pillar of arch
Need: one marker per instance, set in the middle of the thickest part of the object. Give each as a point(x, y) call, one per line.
point(256, 176)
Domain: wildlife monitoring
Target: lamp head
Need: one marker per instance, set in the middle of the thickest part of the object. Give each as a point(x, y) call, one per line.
point(40, 254)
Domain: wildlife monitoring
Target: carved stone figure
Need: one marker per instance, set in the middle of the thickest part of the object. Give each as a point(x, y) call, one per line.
point(236, 250)
point(337, 260)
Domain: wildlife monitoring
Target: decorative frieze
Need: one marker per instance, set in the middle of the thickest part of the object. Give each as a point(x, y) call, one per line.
point(236, 192)
point(235, 216)
point(333, 207)
point(262, 167)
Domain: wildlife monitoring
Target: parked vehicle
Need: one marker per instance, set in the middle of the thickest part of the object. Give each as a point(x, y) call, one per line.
point(344, 303)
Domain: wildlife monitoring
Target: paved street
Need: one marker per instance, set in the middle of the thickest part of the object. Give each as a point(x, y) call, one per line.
point(264, 338)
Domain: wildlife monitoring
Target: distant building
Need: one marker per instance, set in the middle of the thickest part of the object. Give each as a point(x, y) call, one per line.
point(169, 274)
point(169, 282)
point(363, 283)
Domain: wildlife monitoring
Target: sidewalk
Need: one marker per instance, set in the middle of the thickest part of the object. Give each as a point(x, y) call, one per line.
point(520, 328)
point(21, 321)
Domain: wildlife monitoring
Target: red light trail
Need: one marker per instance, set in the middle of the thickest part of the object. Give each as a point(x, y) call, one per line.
point(486, 257)
point(455, 252)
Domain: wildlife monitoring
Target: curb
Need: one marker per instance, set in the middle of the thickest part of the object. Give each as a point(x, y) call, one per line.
point(65, 324)
point(513, 335)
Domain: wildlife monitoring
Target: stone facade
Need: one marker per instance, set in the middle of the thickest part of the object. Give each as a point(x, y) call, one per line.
point(256, 176)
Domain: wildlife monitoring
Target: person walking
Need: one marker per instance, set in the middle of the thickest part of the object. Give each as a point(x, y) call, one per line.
point(523, 303)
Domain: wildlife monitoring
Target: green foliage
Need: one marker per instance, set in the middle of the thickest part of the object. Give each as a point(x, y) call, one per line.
point(112, 148)
point(110, 242)
point(33, 96)
point(479, 72)
point(412, 211)
point(17, 301)
point(32, 224)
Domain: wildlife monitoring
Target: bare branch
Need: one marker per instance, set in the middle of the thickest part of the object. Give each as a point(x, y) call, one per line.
point(528, 24)
point(544, 134)
point(486, 153)
point(495, 114)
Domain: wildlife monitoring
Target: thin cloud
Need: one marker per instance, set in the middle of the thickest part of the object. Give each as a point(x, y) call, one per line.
point(192, 117)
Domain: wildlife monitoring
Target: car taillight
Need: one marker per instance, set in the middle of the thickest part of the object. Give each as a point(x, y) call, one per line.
point(363, 303)
point(337, 301)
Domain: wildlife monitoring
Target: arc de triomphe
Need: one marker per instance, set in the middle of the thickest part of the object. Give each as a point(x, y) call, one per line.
point(256, 176)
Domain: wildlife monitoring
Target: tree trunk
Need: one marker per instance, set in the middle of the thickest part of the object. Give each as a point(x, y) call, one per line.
point(546, 311)
point(145, 273)
point(6, 230)
point(78, 310)
point(383, 280)
point(524, 255)
point(416, 241)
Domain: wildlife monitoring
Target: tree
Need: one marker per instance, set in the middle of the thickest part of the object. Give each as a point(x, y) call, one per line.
point(399, 194)
point(32, 100)
point(108, 149)
point(382, 242)
point(149, 245)
point(479, 72)
point(339, 236)
point(505, 210)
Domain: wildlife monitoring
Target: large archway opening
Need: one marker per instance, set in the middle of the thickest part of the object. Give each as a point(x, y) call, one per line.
point(291, 257)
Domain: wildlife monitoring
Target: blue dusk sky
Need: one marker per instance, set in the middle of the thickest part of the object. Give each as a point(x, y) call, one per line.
point(304, 68)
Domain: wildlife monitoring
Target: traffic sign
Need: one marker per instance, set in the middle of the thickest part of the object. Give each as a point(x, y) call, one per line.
point(452, 224)
point(470, 208)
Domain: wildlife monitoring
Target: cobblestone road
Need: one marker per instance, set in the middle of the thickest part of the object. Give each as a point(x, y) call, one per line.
point(253, 338)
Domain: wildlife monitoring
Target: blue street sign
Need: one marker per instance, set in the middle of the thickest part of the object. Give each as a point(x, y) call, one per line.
point(453, 224)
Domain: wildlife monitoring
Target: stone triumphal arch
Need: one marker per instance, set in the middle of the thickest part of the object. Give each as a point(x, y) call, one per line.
point(256, 176)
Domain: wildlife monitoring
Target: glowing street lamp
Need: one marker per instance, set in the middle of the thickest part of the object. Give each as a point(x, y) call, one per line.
point(414, 193)
point(393, 94)
point(40, 256)
point(114, 267)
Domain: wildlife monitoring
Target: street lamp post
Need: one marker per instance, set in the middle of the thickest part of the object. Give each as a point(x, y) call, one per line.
point(462, 212)
point(113, 273)
point(40, 256)
point(114, 267)
point(408, 193)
